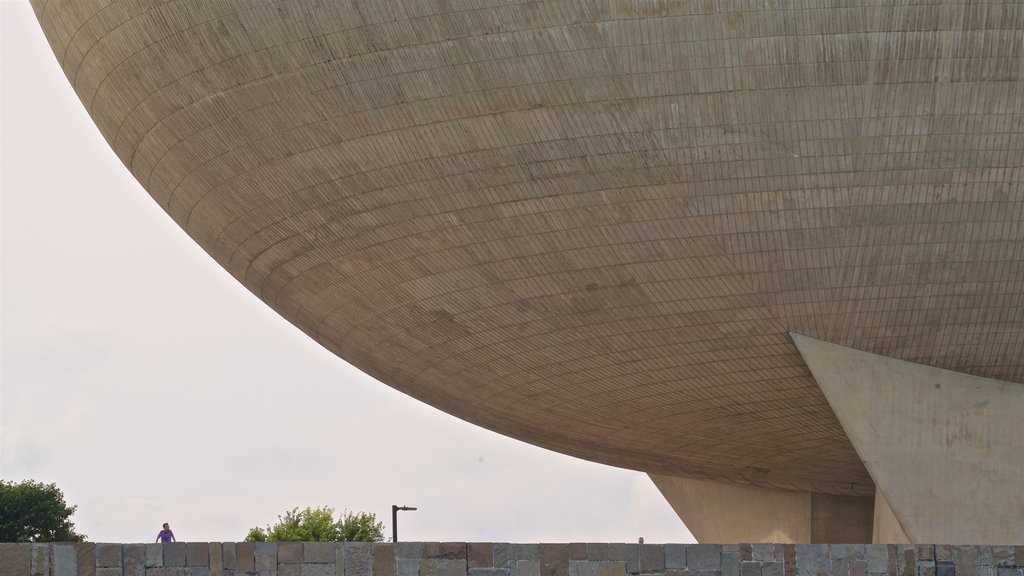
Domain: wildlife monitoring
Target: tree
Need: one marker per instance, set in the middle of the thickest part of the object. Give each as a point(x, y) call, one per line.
point(319, 525)
point(35, 512)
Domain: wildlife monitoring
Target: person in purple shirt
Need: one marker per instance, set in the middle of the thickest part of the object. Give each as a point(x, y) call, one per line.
point(166, 535)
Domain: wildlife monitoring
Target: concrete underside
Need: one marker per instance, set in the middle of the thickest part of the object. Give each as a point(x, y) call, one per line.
point(945, 449)
point(715, 512)
point(592, 224)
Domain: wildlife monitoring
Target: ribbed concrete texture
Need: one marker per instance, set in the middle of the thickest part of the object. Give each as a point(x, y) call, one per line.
point(946, 449)
point(591, 224)
point(502, 559)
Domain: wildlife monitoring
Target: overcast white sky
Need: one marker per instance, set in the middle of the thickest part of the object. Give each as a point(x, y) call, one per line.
point(151, 387)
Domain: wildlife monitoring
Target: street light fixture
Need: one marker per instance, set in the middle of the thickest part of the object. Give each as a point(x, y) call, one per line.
point(394, 520)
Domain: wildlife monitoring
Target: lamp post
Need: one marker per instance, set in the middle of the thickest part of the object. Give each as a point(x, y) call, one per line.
point(394, 520)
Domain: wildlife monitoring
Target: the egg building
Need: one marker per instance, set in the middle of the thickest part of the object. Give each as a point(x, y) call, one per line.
point(770, 252)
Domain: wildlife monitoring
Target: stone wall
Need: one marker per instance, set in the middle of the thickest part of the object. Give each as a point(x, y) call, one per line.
point(498, 559)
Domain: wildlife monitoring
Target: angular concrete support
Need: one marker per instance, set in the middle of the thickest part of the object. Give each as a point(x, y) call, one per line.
point(945, 449)
point(723, 513)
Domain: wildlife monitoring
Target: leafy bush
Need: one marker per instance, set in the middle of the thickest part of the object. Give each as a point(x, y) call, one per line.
point(319, 525)
point(35, 512)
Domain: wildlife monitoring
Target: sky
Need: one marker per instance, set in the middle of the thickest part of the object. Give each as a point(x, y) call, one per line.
point(151, 387)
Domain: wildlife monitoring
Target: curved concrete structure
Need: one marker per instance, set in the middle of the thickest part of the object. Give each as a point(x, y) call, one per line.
point(591, 224)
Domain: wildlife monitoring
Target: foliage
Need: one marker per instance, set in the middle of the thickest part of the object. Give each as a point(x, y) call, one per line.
point(35, 512)
point(319, 525)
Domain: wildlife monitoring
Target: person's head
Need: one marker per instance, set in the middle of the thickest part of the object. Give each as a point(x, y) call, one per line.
point(167, 526)
point(640, 541)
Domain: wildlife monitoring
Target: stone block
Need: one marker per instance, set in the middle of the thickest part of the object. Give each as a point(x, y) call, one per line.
point(108, 556)
point(488, 572)
point(925, 568)
point(264, 573)
point(597, 551)
point(15, 559)
point(409, 550)
point(1018, 552)
point(384, 560)
point(288, 569)
point(632, 558)
point(197, 571)
point(197, 554)
point(502, 553)
point(1004, 556)
point(134, 559)
point(166, 571)
point(893, 563)
point(926, 552)
point(746, 551)
point(652, 558)
point(774, 569)
point(675, 556)
point(707, 573)
point(480, 555)
point(968, 559)
point(813, 560)
point(877, 558)
point(730, 560)
point(526, 567)
point(318, 569)
point(943, 569)
point(65, 560)
point(766, 552)
point(577, 551)
point(265, 556)
point(618, 552)
point(358, 558)
point(944, 553)
point(524, 552)
point(1009, 571)
point(86, 559)
point(340, 557)
point(704, 557)
point(847, 551)
point(174, 554)
point(841, 566)
point(245, 557)
point(789, 559)
point(452, 567)
point(288, 553)
point(750, 568)
point(108, 571)
point(609, 568)
point(906, 559)
point(154, 555)
point(554, 559)
point(429, 566)
point(216, 552)
point(408, 566)
point(453, 550)
point(579, 568)
point(40, 560)
point(432, 550)
point(858, 568)
point(319, 552)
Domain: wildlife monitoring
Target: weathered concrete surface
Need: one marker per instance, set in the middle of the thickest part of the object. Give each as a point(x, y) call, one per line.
point(716, 512)
point(887, 528)
point(590, 224)
point(946, 449)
